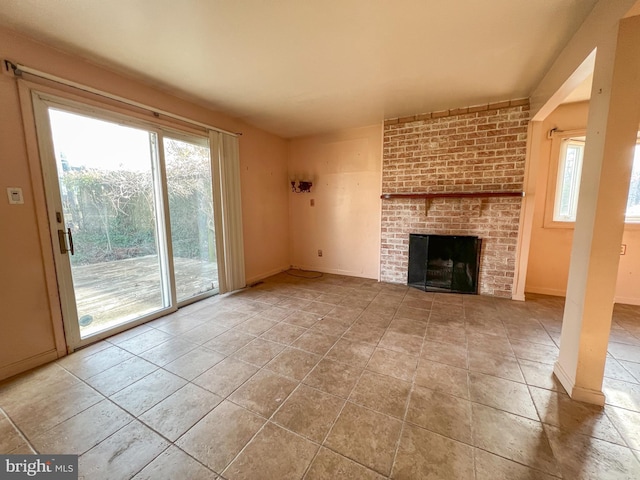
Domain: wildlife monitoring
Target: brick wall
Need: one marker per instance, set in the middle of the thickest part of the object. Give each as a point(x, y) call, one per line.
point(473, 149)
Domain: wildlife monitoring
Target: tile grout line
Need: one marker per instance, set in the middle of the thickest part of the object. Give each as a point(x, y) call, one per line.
point(19, 430)
point(470, 407)
point(270, 419)
point(134, 418)
point(226, 398)
point(534, 404)
point(300, 382)
point(408, 400)
point(280, 406)
point(335, 420)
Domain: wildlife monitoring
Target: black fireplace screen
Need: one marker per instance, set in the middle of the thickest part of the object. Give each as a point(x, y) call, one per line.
point(444, 263)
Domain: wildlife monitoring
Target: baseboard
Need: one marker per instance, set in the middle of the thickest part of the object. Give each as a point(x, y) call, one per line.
point(627, 300)
point(594, 397)
point(27, 364)
point(561, 293)
point(268, 274)
point(335, 271)
point(561, 375)
point(554, 292)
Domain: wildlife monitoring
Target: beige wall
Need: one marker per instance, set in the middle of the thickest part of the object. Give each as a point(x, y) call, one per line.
point(345, 221)
point(550, 252)
point(265, 204)
point(29, 310)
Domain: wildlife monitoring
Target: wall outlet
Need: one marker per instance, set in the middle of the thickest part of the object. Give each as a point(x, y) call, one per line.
point(319, 253)
point(15, 196)
point(623, 249)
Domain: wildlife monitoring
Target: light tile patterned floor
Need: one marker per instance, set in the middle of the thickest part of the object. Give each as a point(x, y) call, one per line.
point(329, 378)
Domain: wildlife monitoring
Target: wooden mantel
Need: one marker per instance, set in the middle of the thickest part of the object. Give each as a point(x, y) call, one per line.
point(391, 196)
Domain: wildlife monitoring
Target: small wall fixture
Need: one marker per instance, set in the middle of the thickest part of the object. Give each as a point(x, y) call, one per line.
point(301, 186)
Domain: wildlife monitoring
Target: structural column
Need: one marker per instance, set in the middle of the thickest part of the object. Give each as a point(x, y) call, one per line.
point(614, 117)
point(535, 136)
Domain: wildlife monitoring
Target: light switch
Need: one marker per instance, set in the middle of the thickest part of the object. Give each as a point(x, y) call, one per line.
point(15, 196)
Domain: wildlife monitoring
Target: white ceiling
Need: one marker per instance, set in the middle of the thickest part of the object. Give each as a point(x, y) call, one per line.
point(299, 67)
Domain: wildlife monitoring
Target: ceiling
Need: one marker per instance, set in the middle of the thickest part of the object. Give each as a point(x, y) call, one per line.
point(301, 67)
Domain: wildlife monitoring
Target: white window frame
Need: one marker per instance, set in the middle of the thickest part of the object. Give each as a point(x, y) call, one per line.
point(635, 219)
point(41, 101)
point(559, 143)
point(565, 144)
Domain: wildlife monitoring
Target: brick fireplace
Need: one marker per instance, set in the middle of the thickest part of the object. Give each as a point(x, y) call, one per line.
point(469, 150)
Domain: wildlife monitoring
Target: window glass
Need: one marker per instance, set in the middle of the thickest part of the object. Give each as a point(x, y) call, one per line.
point(569, 171)
point(568, 182)
point(633, 204)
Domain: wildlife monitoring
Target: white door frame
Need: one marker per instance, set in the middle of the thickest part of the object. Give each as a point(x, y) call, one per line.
point(40, 102)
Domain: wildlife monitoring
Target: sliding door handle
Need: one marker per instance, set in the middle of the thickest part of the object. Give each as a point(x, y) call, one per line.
point(71, 250)
point(63, 241)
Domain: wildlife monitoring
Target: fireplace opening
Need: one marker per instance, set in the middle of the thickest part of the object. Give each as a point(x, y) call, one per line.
point(444, 263)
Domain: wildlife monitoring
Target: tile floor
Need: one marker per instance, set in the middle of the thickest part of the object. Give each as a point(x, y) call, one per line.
point(331, 378)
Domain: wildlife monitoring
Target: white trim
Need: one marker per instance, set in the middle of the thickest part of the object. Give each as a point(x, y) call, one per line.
point(594, 397)
point(627, 300)
point(334, 271)
point(268, 274)
point(565, 380)
point(574, 181)
point(36, 102)
point(48, 167)
point(111, 96)
point(27, 364)
point(553, 177)
point(164, 242)
point(42, 216)
point(580, 394)
point(527, 210)
point(109, 332)
point(559, 141)
point(87, 107)
point(562, 293)
point(545, 291)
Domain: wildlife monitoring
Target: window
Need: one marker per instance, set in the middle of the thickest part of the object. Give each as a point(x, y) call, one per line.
point(633, 203)
point(569, 170)
point(571, 154)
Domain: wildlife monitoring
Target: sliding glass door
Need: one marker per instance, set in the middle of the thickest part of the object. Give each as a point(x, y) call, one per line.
point(110, 225)
point(188, 167)
point(131, 215)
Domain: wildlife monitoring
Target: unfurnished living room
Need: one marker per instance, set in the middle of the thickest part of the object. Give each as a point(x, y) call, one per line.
point(342, 239)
